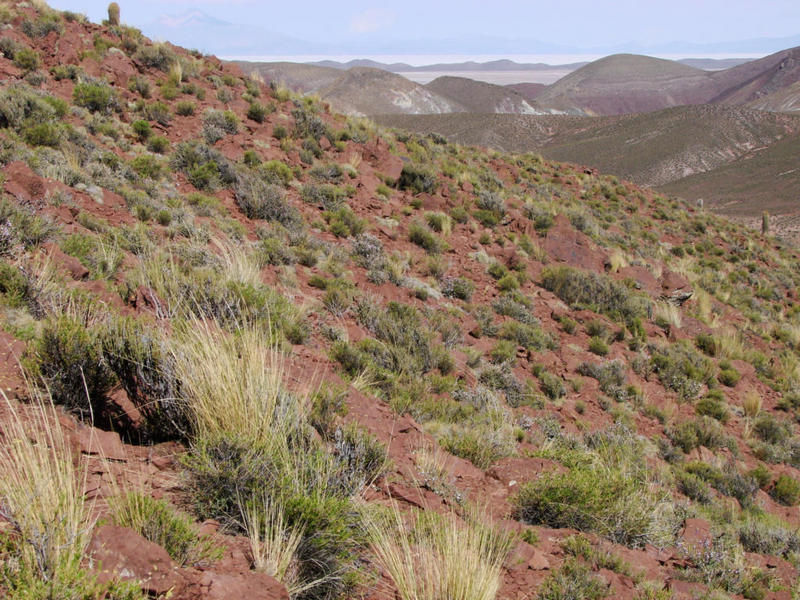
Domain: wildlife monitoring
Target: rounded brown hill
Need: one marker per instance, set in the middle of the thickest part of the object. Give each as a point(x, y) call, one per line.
point(626, 83)
point(482, 97)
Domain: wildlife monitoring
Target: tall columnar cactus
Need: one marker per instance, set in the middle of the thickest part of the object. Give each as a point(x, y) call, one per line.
point(113, 13)
point(765, 222)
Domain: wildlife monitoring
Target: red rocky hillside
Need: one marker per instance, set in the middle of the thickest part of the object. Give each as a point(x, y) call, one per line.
point(254, 349)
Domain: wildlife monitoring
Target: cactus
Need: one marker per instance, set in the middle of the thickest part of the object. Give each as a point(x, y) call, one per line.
point(113, 13)
point(765, 222)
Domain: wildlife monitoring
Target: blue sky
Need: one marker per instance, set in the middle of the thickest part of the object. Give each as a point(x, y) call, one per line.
point(574, 23)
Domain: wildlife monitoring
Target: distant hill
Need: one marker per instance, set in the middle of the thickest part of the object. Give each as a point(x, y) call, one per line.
point(627, 83)
point(528, 90)
point(754, 80)
point(480, 97)
point(713, 64)
point(661, 148)
point(473, 66)
point(367, 91)
point(296, 76)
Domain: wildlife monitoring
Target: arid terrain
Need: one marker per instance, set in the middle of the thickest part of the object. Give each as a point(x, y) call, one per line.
point(256, 348)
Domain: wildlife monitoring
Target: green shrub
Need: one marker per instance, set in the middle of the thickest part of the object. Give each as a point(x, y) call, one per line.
point(508, 283)
point(218, 123)
point(762, 475)
point(67, 357)
point(597, 345)
point(712, 406)
point(185, 108)
point(768, 535)
point(157, 522)
point(608, 502)
point(417, 178)
point(27, 59)
point(95, 97)
point(693, 487)
point(158, 112)
point(594, 291)
point(227, 475)
point(704, 431)
point(329, 197)
point(343, 222)
point(681, 368)
point(42, 134)
point(729, 377)
point(158, 144)
point(503, 351)
point(479, 445)
point(786, 490)
point(279, 132)
point(157, 56)
point(458, 287)
point(771, 429)
point(551, 385)
point(257, 112)
point(44, 24)
point(425, 238)
point(148, 166)
point(140, 360)
point(531, 336)
point(142, 130)
point(572, 581)
point(276, 171)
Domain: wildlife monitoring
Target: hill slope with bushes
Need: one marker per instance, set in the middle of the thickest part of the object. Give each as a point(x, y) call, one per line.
point(253, 348)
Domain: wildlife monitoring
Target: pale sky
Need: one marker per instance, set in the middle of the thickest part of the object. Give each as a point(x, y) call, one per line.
point(574, 23)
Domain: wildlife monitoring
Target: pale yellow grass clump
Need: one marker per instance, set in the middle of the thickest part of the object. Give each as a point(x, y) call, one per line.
point(273, 542)
point(752, 404)
point(41, 490)
point(233, 383)
point(617, 261)
point(668, 312)
point(440, 558)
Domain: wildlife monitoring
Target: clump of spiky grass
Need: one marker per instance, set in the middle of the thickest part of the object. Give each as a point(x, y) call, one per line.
point(274, 543)
point(41, 491)
point(440, 557)
point(233, 383)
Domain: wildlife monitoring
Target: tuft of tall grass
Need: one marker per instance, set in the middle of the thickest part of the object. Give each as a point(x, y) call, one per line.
point(440, 557)
point(274, 543)
point(41, 492)
point(234, 383)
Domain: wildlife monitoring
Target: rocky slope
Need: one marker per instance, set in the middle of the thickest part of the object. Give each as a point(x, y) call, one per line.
point(275, 335)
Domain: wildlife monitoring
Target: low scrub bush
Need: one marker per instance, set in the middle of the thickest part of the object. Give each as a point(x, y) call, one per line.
point(425, 238)
point(605, 491)
point(97, 97)
point(594, 291)
point(417, 178)
point(157, 522)
point(681, 368)
point(703, 431)
point(786, 490)
point(156, 56)
point(67, 357)
point(572, 580)
point(458, 287)
point(260, 200)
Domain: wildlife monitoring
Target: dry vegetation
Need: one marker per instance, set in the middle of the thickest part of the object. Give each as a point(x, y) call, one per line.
point(337, 340)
